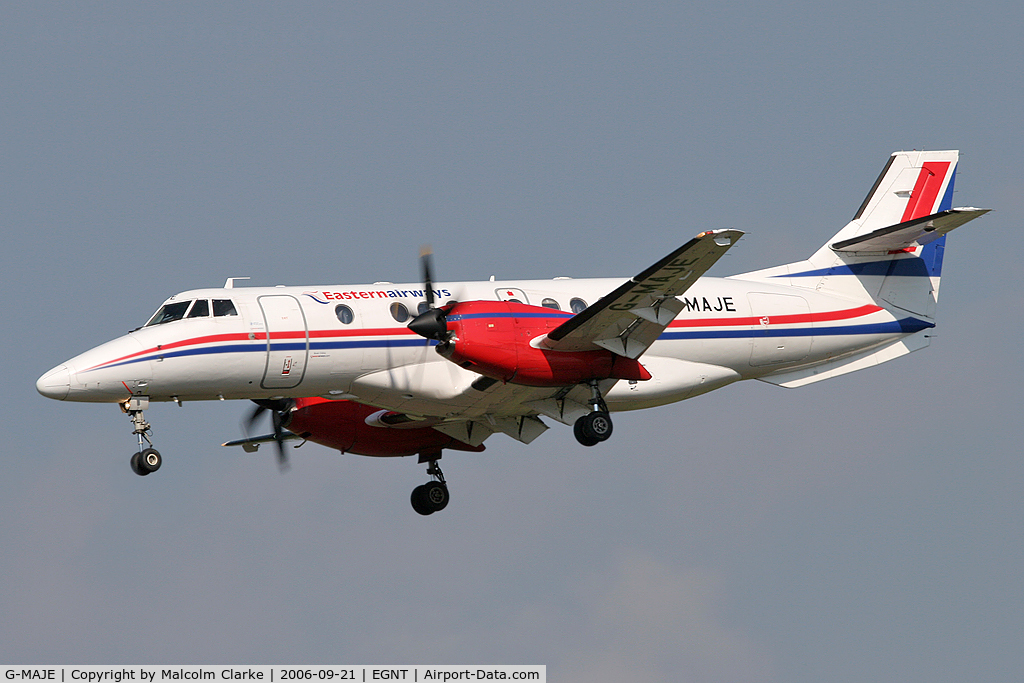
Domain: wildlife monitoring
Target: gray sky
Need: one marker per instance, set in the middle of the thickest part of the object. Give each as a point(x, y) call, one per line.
point(864, 528)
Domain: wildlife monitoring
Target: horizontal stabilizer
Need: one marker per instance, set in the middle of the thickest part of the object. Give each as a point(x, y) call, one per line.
point(916, 232)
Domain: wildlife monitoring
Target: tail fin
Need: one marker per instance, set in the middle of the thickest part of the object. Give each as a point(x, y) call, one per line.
point(911, 186)
point(891, 252)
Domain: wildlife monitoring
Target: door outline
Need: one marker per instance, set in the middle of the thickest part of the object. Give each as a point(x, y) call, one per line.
point(286, 364)
point(510, 293)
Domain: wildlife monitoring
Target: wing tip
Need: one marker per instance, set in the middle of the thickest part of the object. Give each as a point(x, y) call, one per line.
point(724, 237)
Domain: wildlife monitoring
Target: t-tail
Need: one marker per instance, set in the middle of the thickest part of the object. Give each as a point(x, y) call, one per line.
point(891, 252)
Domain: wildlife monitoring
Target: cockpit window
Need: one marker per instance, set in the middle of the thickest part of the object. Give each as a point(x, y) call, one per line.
point(168, 313)
point(223, 307)
point(200, 309)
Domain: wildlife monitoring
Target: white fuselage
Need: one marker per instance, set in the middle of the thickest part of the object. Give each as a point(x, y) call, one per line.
point(352, 342)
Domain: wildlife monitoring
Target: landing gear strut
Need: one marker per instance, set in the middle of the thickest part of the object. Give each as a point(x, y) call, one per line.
point(595, 426)
point(147, 460)
point(433, 496)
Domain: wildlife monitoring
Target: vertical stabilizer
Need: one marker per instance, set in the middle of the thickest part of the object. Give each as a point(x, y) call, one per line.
point(912, 185)
point(891, 252)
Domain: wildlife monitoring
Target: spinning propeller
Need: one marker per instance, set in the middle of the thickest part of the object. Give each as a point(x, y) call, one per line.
point(431, 324)
point(279, 409)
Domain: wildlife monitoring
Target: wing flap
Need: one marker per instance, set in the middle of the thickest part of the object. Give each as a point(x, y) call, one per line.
point(469, 432)
point(631, 317)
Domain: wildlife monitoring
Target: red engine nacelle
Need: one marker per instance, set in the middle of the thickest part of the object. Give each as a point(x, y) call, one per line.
point(342, 425)
point(493, 338)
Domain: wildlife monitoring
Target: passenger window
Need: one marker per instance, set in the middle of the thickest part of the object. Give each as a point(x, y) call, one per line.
point(344, 314)
point(422, 308)
point(223, 307)
point(550, 303)
point(200, 309)
point(399, 312)
point(169, 313)
point(577, 305)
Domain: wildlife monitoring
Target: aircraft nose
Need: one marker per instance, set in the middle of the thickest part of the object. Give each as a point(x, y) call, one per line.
point(55, 384)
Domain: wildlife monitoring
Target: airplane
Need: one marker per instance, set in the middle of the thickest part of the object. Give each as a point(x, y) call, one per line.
point(413, 369)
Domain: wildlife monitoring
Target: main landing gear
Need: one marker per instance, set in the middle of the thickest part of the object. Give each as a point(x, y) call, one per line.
point(148, 459)
point(595, 426)
point(433, 496)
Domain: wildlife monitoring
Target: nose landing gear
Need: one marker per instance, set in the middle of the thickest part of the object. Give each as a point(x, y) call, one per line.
point(147, 460)
point(433, 496)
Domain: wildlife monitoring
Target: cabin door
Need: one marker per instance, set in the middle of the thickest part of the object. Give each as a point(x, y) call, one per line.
point(287, 341)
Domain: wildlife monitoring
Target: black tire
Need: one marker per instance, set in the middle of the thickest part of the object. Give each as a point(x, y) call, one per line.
point(150, 460)
point(598, 425)
point(578, 432)
point(135, 465)
point(419, 501)
point(436, 495)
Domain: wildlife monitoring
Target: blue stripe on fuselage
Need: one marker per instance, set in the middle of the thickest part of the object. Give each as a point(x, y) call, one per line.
point(470, 316)
point(905, 267)
point(903, 326)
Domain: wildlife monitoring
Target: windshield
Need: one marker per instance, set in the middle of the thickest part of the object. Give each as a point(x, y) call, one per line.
point(169, 312)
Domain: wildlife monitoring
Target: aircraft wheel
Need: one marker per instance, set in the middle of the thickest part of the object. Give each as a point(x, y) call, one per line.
point(135, 465)
point(150, 460)
point(436, 495)
point(577, 430)
point(419, 501)
point(595, 427)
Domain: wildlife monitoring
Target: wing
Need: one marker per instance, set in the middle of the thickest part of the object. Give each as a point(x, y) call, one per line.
point(515, 409)
point(630, 318)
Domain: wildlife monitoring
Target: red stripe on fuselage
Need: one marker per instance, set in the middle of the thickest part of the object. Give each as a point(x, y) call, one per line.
point(209, 339)
point(793, 319)
point(259, 336)
point(368, 332)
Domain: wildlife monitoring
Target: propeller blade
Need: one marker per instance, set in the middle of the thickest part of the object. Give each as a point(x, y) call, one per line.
point(282, 459)
point(279, 409)
point(251, 420)
point(431, 323)
point(428, 282)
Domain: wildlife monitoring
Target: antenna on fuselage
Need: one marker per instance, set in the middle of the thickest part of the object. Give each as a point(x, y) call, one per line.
point(230, 282)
